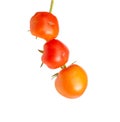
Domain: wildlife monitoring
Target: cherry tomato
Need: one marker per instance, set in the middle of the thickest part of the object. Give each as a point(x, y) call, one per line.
point(44, 25)
point(72, 81)
point(55, 54)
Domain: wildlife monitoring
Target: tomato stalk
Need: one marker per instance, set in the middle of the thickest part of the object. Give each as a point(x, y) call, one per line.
point(63, 67)
point(56, 74)
point(51, 6)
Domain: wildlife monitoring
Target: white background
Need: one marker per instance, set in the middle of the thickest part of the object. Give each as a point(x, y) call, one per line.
point(91, 30)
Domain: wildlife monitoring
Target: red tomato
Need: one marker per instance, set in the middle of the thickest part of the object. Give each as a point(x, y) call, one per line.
point(55, 54)
point(44, 25)
point(72, 81)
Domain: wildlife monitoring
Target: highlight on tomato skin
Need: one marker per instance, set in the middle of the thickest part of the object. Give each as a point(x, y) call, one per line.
point(71, 81)
point(44, 25)
point(55, 54)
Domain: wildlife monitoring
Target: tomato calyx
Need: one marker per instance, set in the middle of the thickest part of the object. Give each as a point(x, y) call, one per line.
point(56, 74)
point(62, 67)
point(41, 51)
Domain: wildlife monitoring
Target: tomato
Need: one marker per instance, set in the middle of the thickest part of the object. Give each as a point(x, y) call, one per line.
point(55, 54)
point(72, 81)
point(44, 25)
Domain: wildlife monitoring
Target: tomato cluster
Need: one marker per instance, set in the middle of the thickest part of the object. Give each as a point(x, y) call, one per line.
point(72, 80)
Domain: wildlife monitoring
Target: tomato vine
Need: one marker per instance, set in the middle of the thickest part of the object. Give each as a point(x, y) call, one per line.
point(71, 81)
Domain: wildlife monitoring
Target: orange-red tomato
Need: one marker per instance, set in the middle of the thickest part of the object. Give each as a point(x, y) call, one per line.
point(44, 25)
point(72, 81)
point(55, 54)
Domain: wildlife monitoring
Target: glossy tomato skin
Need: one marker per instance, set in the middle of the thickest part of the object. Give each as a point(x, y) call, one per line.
point(72, 81)
point(55, 54)
point(44, 25)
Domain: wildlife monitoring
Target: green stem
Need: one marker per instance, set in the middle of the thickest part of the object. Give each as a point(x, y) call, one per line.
point(51, 6)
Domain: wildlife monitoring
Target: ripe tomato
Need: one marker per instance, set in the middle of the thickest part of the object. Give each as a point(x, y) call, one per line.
point(44, 25)
point(72, 81)
point(55, 54)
